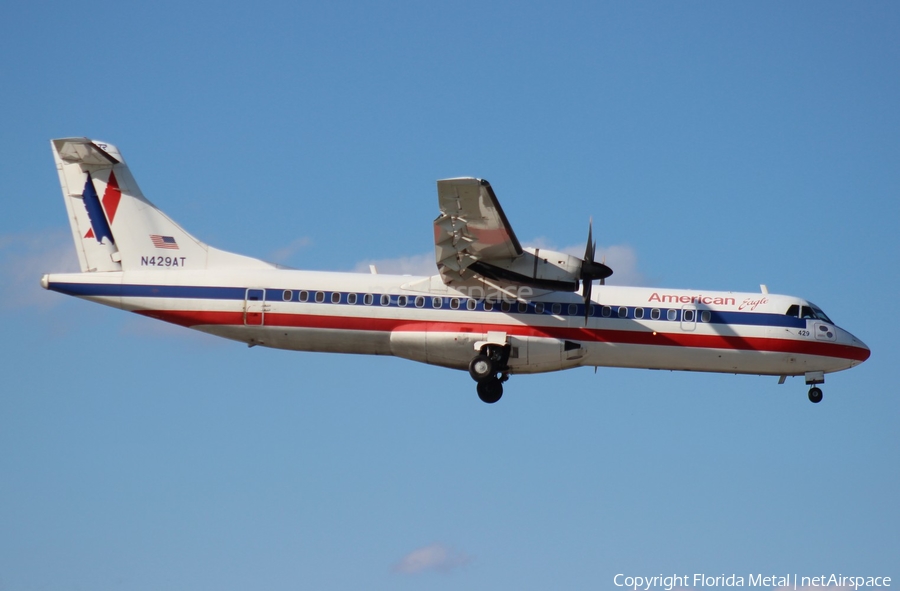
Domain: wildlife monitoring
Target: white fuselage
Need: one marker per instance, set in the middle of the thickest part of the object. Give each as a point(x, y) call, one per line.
point(422, 319)
point(495, 308)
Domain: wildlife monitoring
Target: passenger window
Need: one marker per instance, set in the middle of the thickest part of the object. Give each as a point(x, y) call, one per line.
point(606, 311)
point(488, 305)
point(436, 303)
point(539, 308)
point(623, 312)
point(504, 306)
point(672, 315)
point(471, 304)
point(304, 296)
point(385, 299)
point(351, 298)
point(401, 301)
point(591, 309)
point(573, 309)
point(523, 307)
point(705, 316)
point(638, 313)
point(654, 314)
point(287, 295)
point(420, 302)
point(557, 309)
point(335, 298)
point(687, 316)
point(320, 296)
point(368, 299)
point(454, 303)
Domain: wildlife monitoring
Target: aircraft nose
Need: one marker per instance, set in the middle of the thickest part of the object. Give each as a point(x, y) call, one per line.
point(863, 352)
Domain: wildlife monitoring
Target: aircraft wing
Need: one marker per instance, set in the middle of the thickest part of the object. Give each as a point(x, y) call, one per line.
point(472, 228)
point(474, 243)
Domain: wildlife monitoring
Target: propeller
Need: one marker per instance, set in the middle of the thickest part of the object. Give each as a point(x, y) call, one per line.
point(591, 270)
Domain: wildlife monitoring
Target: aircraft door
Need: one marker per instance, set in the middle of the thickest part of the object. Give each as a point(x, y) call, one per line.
point(689, 317)
point(255, 307)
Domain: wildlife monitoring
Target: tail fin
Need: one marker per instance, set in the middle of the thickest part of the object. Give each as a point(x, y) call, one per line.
point(114, 226)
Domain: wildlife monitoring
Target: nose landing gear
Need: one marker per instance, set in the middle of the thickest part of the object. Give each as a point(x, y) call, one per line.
point(489, 370)
point(813, 379)
point(815, 395)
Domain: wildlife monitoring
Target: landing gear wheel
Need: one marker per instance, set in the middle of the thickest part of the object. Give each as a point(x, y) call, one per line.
point(490, 390)
point(815, 395)
point(481, 368)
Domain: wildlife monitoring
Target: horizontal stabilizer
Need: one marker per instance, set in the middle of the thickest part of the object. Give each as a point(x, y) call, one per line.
point(83, 151)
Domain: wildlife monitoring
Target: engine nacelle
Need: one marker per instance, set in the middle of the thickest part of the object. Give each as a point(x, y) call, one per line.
point(537, 267)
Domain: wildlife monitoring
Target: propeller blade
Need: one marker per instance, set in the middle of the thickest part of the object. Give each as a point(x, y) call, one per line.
point(588, 285)
point(591, 270)
point(589, 250)
point(590, 246)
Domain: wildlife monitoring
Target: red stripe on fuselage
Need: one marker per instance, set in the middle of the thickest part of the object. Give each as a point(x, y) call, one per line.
point(191, 318)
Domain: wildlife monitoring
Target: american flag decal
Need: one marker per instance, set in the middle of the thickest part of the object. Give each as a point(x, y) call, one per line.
point(163, 241)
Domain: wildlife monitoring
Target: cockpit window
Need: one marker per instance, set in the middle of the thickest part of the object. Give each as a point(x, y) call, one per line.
point(820, 314)
point(811, 312)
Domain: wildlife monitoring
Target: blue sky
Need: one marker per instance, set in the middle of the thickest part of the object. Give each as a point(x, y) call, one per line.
point(715, 145)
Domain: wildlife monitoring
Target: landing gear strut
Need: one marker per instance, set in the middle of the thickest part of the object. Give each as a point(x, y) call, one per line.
point(489, 370)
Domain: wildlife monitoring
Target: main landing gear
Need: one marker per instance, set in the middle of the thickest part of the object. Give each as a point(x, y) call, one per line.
point(489, 369)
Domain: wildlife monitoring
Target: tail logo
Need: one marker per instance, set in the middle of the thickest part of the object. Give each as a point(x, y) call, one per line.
point(102, 213)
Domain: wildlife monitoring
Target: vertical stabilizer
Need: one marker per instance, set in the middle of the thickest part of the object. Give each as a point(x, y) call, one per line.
point(114, 226)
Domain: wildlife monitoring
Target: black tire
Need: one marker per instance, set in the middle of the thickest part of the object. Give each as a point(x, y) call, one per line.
point(490, 390)
point(481, 368)
point(815, 395)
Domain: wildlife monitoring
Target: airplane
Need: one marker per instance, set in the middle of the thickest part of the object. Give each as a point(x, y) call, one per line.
point(495, 308)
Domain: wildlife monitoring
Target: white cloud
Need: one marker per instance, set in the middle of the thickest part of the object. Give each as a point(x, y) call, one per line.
point(621, 258)
point(284, 254)
point(436, 557)
point(417, 264)
point(24, 258)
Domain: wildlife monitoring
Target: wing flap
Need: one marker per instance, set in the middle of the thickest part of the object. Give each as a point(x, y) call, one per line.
point(472, 227)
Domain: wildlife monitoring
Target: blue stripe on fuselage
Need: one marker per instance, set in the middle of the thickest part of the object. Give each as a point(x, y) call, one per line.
point(239, 293)
point(149, 291)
